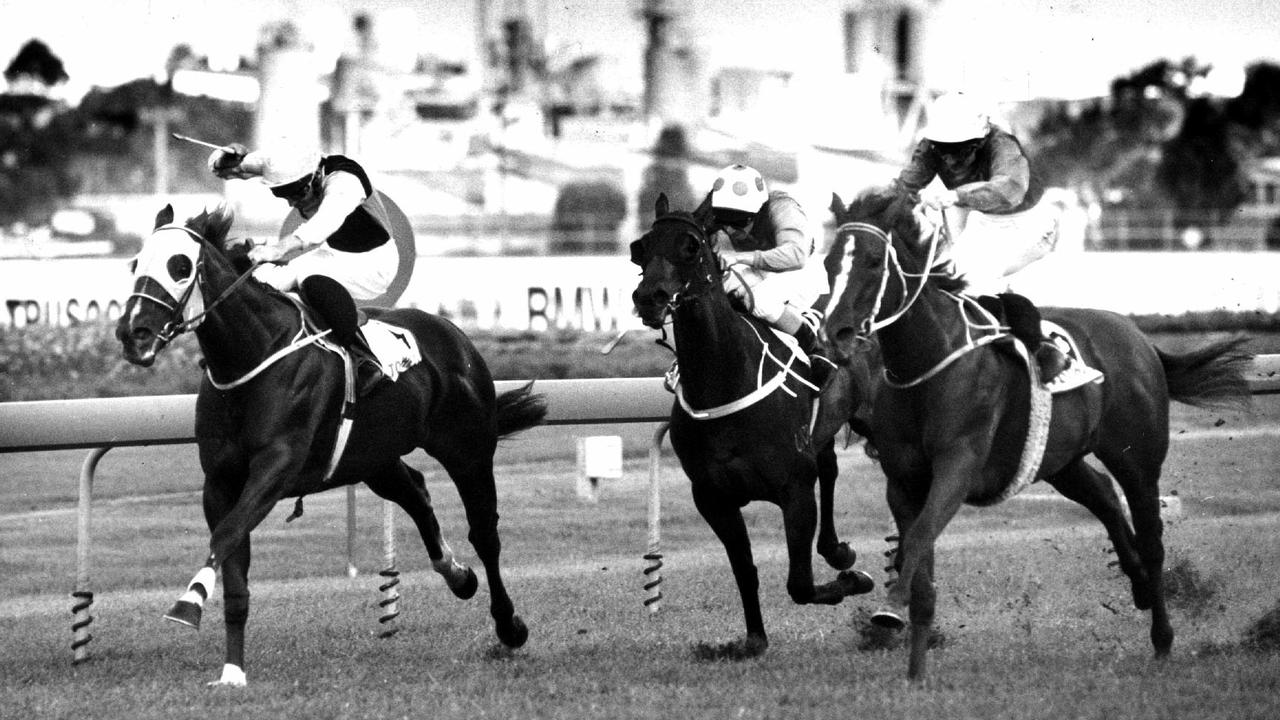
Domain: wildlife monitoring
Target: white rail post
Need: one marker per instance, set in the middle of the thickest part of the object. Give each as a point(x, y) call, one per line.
point(80, 635)
point(653, 553)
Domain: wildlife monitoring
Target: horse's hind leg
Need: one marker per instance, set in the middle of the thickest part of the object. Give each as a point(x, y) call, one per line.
point(406, 487)
point(837, 554)
point(1080, 482)
point(473, 476)
point(1140, 480)
point(799, 517)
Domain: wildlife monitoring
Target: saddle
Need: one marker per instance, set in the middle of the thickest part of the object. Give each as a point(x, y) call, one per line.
point(379, 351)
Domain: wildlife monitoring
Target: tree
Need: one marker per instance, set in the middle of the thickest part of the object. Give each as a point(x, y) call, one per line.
point(36, 146)
point(1153, 144)
point(35, 61)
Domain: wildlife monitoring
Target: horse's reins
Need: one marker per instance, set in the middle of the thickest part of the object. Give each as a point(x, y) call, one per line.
point(763, 389)
point(872, 325)
point(177, 326)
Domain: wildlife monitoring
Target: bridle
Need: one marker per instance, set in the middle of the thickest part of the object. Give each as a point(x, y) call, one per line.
point(872, 323)
point(177, 324)
point(704, 248)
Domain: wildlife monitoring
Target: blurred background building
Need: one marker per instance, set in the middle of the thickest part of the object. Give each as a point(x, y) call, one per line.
point(503, 132)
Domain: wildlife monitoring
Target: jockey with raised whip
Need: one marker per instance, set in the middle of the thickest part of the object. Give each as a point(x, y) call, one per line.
point(986, 175)
point(348, 250)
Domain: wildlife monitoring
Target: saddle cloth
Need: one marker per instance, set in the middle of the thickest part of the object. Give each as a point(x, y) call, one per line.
point(394, 348)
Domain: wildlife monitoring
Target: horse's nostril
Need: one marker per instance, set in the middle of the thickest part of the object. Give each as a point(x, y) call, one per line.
point(843, 335)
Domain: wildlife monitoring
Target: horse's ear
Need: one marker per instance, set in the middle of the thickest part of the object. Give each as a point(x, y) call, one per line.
point(662, 206)
point(704, 212)
point(164, 217)
point(837, 205)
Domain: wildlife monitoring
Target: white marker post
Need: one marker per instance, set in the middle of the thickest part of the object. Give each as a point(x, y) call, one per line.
point(599, 458)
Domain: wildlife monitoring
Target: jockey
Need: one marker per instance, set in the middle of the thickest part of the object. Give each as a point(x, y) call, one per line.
point(349, 253)
point(986, 175)
point(763, 241)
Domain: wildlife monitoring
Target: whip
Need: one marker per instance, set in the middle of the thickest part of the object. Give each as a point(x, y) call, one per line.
point(211, 146)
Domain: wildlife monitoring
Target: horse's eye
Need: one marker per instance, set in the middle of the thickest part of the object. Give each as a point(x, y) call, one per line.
point(689, 248)
point(179, 267)
point(133, 266)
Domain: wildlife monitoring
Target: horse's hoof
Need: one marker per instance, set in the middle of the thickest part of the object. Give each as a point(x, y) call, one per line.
point(232, 676)
point(842, 557)
point(888, 619)
point(185, 613)
point(513, 634)
point(855, 582)
point(467, 589)
point(742, 649)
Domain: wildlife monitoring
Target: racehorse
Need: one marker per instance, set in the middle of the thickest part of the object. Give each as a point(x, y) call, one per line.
point(267, 415)
point(741, 424)
point(952, 414)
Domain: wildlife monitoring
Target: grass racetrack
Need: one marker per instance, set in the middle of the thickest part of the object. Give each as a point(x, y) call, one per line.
point(1033, 622)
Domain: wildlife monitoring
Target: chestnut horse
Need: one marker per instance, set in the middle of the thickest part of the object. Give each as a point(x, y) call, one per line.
point(950, 419)
point(268, 412)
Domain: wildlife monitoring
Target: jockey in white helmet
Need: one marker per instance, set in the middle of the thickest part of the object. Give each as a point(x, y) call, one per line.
point(988, 181)
point(345, 233)
point(763, 239)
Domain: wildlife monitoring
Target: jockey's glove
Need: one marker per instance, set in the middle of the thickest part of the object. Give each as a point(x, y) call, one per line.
point(939, 199)
point(224, 161)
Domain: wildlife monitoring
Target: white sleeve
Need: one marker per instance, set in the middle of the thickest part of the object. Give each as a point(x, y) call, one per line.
point(343, 193)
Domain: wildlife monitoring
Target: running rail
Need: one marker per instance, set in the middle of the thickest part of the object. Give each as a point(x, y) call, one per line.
point(103, 423)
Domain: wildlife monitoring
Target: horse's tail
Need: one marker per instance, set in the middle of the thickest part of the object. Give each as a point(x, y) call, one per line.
point(520, 409)
point(1209, 376)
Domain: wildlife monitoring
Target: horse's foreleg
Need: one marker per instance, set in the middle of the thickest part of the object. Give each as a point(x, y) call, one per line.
point(837, 554)
point(923, 606)
point(725, 520)
point(919, 526)
point(230, 530)
point(235, 599)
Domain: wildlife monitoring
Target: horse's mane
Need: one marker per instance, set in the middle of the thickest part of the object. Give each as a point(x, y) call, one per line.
point(892, 208)
point(213, 224)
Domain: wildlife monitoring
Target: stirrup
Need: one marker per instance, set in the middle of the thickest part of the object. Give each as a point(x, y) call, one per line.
point(1074, 375)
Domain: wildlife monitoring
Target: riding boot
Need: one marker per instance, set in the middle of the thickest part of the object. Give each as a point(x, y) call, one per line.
point(1024, 322)
point(1051, 360)
point(333, 303)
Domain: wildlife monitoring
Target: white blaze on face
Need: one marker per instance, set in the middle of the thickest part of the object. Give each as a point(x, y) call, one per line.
point(170, 257)
point(841, 281)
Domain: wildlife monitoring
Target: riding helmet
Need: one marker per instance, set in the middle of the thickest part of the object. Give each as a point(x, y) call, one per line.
point(740, 188)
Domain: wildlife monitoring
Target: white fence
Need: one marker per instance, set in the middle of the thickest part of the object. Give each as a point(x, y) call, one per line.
point(101, 424)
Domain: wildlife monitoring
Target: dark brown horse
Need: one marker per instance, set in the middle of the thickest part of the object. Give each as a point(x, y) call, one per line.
point(949, 425)
point(742, 427)
point(267, 419)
